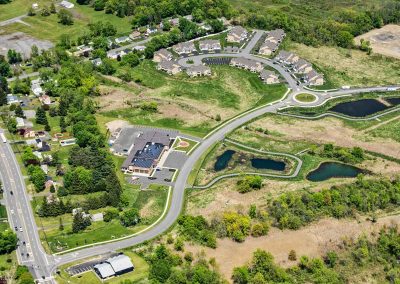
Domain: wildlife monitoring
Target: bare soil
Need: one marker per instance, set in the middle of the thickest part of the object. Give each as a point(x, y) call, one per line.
point(22, 43)
point(385, 40)
point(115, 124)
point(330, 130)
point(313, 241)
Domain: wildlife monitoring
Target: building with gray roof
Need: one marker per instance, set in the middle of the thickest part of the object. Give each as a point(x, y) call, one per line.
point(200, 70)
point(248, 64)
point(114, 266)
point(184, 48)
point(104, 270)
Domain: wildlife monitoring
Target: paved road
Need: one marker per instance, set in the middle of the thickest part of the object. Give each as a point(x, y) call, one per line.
point(19, 202)
point(14, 20)
point(20, 215)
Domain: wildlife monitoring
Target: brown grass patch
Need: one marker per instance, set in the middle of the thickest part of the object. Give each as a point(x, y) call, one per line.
point(329, 130)
point(313, 241)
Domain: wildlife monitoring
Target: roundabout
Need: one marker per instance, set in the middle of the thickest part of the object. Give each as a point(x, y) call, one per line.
point(305, 98)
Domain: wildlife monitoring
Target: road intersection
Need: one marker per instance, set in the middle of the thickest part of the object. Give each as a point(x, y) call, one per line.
point(43, 265)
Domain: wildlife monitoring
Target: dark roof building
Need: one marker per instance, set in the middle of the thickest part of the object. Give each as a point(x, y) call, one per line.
point(146, 152)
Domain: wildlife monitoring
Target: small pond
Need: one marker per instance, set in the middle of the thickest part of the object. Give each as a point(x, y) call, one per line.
point(359, 108)
point(393, 101)
point(329, 170)
point(268, 164)
point(223, 160)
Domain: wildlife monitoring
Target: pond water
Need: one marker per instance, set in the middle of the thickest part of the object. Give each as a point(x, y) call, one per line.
point(268, 164)
point(359, 108)
point(329, 170)
point(223, 160)
point(393, 101)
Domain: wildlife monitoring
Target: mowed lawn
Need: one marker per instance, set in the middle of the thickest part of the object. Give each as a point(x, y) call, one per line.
point(192, 105)
point(48, 28)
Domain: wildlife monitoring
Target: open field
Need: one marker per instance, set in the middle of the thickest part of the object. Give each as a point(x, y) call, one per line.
point(189, 105)
point(389, 129)
point(327, 130)
point(385, 41)
point(313, 241)
point(48, 28)
point(350, 67)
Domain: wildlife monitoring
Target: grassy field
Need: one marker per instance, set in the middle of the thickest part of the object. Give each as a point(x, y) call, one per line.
point(189, 105)
point(178, 147)
point(350, 67)
point(388, 130)
point(305, 98)
point(48, 27)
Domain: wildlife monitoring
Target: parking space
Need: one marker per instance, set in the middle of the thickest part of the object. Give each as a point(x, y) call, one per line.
point(175, 160)
point(217, 60)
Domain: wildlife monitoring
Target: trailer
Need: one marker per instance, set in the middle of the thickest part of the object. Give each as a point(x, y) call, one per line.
point(3, 138)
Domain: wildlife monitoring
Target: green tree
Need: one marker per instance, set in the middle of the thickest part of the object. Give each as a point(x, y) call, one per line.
point(130, 217)
point(5, 70)
point(52, 8)
point(19, 112)
point(8, 242)
point(41, 117)
point(37, 177)
point(65, 17)
point(80, 222)
point(12, 124)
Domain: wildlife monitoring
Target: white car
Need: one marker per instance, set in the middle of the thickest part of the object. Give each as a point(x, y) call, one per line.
point(12, 211)
point(20, 229)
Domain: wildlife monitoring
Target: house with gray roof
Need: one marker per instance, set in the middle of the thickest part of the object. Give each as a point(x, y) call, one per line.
point(269, 77)
point(313, 78)
point(210, 45)
point(162, 55)
point(171, 67)
point(302, 66)
point(114, 266)
point(184, 48)
point(200, 70)
point(268, 47)
point(276, 35)
point(248, 64)
point(286, 57)
point(146, 152)
point(237, 34)
point(122, 39)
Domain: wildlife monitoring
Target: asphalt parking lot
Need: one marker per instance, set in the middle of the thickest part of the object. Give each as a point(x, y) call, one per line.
point(217, 60)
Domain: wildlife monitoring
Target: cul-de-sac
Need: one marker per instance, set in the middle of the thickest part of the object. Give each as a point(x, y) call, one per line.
point(199, 141)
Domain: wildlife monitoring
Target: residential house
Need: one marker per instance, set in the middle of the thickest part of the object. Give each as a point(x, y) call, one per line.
point(27, 132)
point(122, 39)
point(83, 50)
point(171, 67)
point(286, 57)
point(313, 78)
point(113, 54)
point(45, 100)
point(184, 48)
point(11, 99)
point(302, 66)
point(175, 21)
point(237, 34)
point(97, 61)
point(139, 47)
point(36, 87)
point(248, 64)
point(150, 31)
point(275, 35)
point(68, 142)
point(200, 70)
point(66, 4)
point(147, 151)
point(269, 77)
point(20, 122)
point(268, 47)
point(162, 55)
point(210, 45)
point(135, 35)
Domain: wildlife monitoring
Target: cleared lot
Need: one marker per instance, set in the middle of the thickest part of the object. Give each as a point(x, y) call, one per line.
point(21, 43)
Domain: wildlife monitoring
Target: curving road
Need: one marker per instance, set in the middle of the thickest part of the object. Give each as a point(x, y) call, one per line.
point(45, 265)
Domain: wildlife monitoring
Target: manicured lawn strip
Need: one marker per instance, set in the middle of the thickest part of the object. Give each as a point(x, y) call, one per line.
point(187, 149)
point(3, 212)
point(306, 98)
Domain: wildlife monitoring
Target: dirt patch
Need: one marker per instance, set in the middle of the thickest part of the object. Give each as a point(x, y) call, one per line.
point(115, 124)
point(22, 43)
point(330, 130)
point(313, 241)
point(183, 144)
point(112, 98)
point(147, 210)
point(224, 197)
point(385, 40)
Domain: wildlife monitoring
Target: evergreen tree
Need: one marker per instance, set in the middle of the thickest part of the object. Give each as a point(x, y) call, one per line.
point(19, 112)
point(3, 98)
point(41, 117)
point(80, 222)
